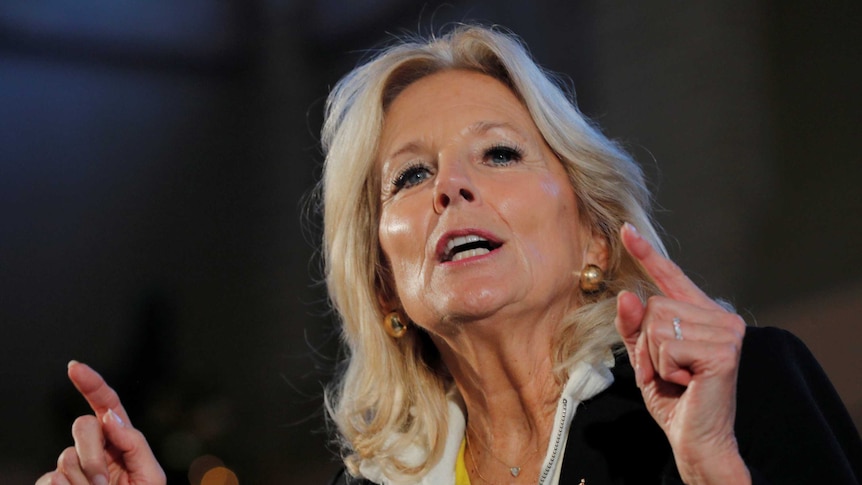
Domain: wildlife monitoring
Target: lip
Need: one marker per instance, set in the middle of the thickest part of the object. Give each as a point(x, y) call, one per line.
point(440, 249)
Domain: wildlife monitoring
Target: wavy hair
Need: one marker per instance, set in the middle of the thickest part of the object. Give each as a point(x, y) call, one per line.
point(391, 394)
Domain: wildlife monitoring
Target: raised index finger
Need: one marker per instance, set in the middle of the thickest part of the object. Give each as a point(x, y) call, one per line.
point(666, 274)
point(95, 390)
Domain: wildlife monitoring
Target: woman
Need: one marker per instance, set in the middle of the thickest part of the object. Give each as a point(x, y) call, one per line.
point(509, 310)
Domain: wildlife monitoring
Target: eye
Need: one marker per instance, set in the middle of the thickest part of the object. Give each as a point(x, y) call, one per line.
point(503, 155)
point(410, 176)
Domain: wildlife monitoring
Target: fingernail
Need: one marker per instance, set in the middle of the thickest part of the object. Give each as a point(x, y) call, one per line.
point(71, 363)
point(632, 228)
point(100, 480)
point(112, 415)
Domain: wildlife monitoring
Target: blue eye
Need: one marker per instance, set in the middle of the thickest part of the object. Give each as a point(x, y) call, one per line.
point(410, 176)
point(503, 155)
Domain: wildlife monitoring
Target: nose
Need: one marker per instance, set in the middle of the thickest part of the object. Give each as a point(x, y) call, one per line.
point(453, 185)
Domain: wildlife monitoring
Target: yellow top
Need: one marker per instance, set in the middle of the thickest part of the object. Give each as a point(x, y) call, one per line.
point(461, 476)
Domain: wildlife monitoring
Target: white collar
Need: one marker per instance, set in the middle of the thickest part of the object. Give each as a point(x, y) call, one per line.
point(585, 381)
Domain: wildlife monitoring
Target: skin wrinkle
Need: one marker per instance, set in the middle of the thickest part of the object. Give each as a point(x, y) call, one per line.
point(479, 295)
point(492, 317)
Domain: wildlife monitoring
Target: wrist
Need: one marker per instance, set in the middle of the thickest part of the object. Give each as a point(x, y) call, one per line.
point(715, 468)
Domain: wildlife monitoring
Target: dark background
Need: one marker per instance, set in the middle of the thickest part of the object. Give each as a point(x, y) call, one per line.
point(156, 156)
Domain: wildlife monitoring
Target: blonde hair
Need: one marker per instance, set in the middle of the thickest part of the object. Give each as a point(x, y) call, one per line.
point(391, 394)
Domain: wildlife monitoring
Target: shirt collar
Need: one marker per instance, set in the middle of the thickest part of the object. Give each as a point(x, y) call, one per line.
point(585, 381)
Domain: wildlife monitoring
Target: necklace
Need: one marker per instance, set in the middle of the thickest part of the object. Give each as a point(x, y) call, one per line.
point(475, 464)
point(514, 470)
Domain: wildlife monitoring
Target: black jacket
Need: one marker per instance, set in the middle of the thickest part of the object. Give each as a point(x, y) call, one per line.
point(791, 426)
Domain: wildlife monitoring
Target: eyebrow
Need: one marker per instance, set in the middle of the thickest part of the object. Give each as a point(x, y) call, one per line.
point(411, 147)
point(482, 127)
point(477, 128)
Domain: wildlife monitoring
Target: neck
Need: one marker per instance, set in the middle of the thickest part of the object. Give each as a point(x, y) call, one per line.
point(506, 380)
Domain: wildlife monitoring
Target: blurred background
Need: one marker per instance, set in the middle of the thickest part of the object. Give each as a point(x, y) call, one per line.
point(156, 158)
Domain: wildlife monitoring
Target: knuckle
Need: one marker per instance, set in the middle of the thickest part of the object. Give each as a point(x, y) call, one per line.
point(730, 321)
point(734, 324)
point(647, 329)
point(83, 423)
point(738, 325)
point(664, 350)
point(728, 352)
point(665, 363)
point(45, 479)
point(137, 439)
point(112, 395)
point(90, 462)
point(655, 301)
point(68, 459)
point(653, 334)
point(50, 478)
point(57, 479)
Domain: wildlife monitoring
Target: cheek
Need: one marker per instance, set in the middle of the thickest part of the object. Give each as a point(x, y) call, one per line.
point(400, 240)
point(553, 222)
point(551, 187)
point(561, 194)
point(392, 228)
point(558, 191)
point(552, 204)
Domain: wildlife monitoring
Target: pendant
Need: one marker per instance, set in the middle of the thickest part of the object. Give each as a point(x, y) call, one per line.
point(516, 470)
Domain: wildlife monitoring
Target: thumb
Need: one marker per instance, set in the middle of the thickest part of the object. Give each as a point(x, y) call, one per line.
point(137, 457)
point(629, 319)
point(630, 313)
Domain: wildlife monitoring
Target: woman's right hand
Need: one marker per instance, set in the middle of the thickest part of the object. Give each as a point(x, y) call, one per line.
point(108, 450)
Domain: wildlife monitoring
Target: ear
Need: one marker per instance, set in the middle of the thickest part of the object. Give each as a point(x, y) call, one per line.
point(596, 250)
point(384, 288)
point(387, 303)
point(387, 297)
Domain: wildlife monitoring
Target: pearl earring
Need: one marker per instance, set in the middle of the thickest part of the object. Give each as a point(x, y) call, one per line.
point(591, 279)
point(395, 324)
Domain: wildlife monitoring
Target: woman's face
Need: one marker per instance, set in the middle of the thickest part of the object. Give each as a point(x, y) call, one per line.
point(478, 217)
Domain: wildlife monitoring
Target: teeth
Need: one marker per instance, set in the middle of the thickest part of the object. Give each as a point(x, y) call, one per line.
point(470, 253)
point(470, 238)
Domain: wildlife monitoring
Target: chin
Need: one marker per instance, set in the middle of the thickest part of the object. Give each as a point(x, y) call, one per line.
point(472, 304)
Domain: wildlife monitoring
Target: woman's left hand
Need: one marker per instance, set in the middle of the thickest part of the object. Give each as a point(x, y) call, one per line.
point(685, 371)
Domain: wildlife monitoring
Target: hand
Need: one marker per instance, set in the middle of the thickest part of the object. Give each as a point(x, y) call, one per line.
point(688, 384)
point(107, 448)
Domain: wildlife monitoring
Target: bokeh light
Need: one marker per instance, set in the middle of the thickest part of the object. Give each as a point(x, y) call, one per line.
point(220, 476)
point(200, 466)
point(210, 470)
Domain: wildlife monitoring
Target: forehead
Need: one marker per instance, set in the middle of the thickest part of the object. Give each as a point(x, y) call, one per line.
point(458, 96)
point(452, 83)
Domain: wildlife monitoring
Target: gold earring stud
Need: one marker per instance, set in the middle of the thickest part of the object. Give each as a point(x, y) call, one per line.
point(591, 279)
point(395, 324)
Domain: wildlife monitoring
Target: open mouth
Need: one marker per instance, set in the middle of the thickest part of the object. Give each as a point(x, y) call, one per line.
point(471, 245)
